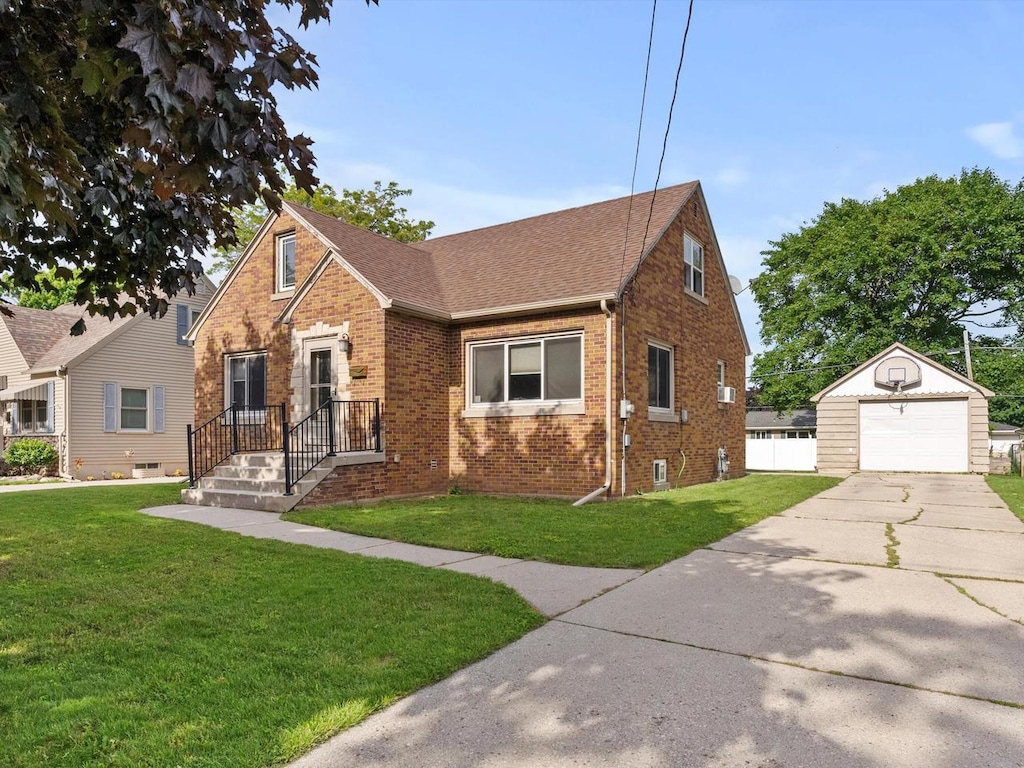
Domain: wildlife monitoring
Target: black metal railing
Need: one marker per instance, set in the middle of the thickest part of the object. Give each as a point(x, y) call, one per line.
point(234, 430)
point(337, 426)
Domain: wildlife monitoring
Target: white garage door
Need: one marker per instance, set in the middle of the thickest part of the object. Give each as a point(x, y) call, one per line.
point(922, 436)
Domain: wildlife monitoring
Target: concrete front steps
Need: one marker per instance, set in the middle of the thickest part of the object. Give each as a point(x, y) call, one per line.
point(256, 481)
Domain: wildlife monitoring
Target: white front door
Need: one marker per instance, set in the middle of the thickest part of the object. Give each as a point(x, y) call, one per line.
point(914, 436)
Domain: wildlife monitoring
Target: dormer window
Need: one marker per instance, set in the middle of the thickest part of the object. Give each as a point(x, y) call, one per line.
point(286, 262)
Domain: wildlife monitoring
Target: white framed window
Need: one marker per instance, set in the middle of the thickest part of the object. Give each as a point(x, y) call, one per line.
point(32, 412)
point(720, 373)
point(659, 377)
point(798, 434)
point(760, 434)
point(693, 265)
point(545, 369)
point(133, 408)
point(660, 471)
point(285, 262)
point(245, 383)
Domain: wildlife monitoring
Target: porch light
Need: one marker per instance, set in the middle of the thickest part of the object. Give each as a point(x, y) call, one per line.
point(345, 344)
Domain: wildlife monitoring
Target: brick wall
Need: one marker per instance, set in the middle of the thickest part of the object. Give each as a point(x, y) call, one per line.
point(561, 455)
point(701, 332)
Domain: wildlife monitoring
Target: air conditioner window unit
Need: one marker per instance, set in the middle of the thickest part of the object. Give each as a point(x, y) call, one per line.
point(727, 394)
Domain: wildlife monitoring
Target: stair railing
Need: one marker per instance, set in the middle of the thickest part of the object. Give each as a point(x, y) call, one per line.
point(337, 426)
point(236, 429)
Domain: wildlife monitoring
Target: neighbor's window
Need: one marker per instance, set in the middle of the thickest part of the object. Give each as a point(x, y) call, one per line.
point(693, 265)
point(32, 416)
point(134, 408)
point(542, 369)
point(760, 435)
point(247, 381)
point(659, 376)
point(286, 262)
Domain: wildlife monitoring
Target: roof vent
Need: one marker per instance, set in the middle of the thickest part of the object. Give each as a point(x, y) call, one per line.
point(897, 373)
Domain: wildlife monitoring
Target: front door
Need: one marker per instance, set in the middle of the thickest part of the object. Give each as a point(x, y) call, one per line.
point(320, 386)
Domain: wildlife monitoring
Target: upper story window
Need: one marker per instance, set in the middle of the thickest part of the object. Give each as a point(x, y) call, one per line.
point(548, 369)
point(693, 265)
point(659, 377)
point(721, 373)
point(285, 262)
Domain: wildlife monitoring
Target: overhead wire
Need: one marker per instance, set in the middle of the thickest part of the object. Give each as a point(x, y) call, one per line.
point(639, 133)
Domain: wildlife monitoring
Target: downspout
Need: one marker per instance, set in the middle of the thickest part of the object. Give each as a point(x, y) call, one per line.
point(65, 460)
point(609, 422)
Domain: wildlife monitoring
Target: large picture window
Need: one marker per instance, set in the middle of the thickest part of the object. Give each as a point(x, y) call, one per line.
point(527, 370)
point(659, 377)
point(693, 265)
point(286, 262)
point(247, 381)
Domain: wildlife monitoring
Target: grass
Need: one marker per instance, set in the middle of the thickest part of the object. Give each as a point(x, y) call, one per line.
point(637, 532)
point(1011, 489)
point(127, 640)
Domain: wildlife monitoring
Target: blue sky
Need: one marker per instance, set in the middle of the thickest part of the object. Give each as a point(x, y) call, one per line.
point(492, 110)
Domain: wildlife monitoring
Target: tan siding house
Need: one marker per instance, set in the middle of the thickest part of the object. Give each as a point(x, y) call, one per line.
point(115, 399)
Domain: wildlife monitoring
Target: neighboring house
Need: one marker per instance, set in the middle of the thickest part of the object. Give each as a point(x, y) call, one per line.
point(117, 398)
point(495, 357)
point(903, 412)
point(782, 441)
point(1002, 437)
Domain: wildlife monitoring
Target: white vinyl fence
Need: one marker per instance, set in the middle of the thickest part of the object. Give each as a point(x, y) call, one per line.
point(799, 454)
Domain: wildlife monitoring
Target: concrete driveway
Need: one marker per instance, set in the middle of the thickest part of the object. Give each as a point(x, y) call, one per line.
point(878, 624)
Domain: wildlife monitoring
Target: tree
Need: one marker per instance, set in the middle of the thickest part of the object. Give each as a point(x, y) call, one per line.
point(128, 131)
point(998, 364)
point(374, 209)
point(49, 292)
point(912, 266)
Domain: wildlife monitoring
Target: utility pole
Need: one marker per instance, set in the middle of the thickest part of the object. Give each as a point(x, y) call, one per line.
point(967, 355)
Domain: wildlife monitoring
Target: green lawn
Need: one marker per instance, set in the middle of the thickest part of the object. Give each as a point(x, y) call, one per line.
point(1011, 488)
point(127, 640)
point(637, 532)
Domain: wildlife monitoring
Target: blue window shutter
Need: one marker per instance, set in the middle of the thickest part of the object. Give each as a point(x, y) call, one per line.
point(109, 406)
point(14, 417)
point(158, 408)
point(184, 316)
point(49, 407)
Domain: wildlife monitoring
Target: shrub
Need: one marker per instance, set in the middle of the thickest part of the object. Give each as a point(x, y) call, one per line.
point(31, 455)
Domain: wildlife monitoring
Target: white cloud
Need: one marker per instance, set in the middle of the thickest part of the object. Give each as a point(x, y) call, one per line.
point(997, 138)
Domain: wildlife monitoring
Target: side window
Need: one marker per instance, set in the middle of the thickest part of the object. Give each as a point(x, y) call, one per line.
point(693, 265)
point(659, 376)
point(537, 369)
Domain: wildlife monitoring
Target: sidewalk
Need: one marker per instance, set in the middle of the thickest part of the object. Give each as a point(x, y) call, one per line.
point(551, 589)
point(69, 484)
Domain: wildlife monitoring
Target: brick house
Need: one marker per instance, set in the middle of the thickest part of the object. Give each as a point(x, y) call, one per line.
point(493, 358)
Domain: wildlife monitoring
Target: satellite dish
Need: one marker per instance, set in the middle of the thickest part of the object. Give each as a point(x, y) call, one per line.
point(736, 284)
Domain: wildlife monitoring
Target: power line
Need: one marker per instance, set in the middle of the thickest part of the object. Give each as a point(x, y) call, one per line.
point(668, 126)
point(639, 132)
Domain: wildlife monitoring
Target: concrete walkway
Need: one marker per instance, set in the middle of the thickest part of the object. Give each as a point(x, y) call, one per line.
point(878, 624)
point(65, 485)
point(551, 589)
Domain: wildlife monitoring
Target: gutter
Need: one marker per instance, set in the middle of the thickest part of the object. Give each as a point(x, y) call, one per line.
point(608, 410)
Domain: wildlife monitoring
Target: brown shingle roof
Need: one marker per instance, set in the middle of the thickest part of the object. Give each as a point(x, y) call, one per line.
point(68, 347)
point(395, 269)
point(575, 253)
point(35, 331)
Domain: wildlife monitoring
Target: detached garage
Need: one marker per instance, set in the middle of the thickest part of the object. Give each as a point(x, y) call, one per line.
point(902, 412)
